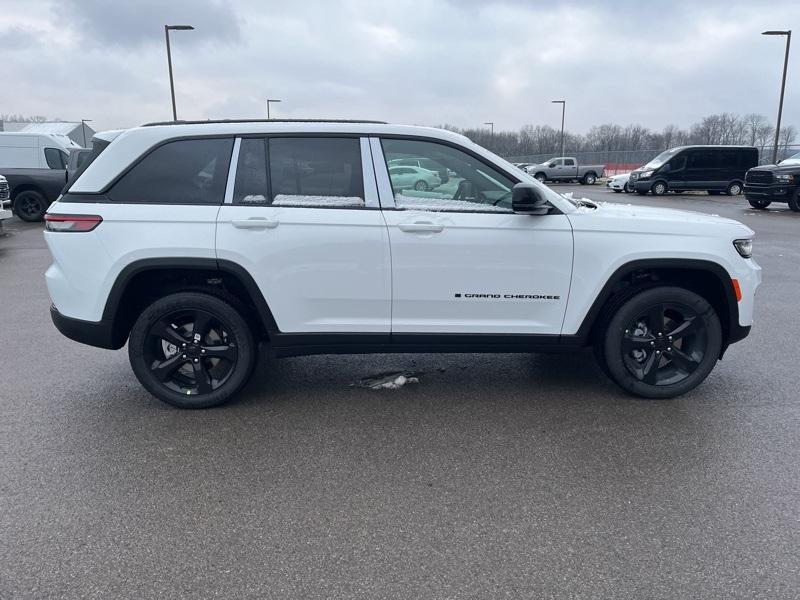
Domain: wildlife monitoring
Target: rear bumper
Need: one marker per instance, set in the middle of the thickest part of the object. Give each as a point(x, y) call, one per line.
point(772, 193)
point(92, 333)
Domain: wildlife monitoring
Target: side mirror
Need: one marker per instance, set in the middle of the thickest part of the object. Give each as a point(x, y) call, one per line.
point(552, 165)
point(666, 168)
point(527, 199)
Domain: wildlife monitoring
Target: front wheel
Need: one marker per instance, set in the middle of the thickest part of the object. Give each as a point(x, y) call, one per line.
point(30, 206)
point(628, 188)
point(759, 204)
point(794, 201)
point(192, 350)
point(659, 188)
point(662, 343)
point(540, 177)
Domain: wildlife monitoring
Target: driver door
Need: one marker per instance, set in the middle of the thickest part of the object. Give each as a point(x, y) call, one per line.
point(462, 261)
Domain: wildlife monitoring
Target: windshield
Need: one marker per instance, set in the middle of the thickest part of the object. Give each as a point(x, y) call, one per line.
point(794, 159)
point(661, 158)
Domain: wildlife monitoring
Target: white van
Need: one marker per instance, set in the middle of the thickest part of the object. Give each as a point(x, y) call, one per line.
point(34, 150)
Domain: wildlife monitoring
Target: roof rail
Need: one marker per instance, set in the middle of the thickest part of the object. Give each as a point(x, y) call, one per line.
point(208, 121)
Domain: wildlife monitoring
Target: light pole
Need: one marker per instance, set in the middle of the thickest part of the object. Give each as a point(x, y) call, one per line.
point(491, 124)
point(167, 29)
point(83, 129)
point(788, 35)
point(563, 104)
point(268, 101)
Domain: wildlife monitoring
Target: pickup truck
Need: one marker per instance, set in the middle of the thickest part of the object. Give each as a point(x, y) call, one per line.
point(774, 183)
point(5, 202)
point(565, 168)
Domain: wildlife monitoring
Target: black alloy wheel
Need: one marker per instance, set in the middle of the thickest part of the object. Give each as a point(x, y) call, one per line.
point(662, 342)
point(191, 350)
point(30, 206)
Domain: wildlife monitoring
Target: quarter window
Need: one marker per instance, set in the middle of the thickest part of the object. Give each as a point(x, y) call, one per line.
point(453, 181)
point(180, 172)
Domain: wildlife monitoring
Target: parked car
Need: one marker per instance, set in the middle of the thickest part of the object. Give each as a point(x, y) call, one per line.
point(193, 274)
point(715, 169)
point(620, 183)
point(35, 166)
point(5, 202)
point(565, 168)
point(774, 183)
point(422, 180)
point(423, 163)
point(77, 157)
point(522, 166)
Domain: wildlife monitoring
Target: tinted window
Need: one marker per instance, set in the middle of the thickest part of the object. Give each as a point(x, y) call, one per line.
point(181, 172)
point(251, 173)
point(569, 162)
point(56, 159)
point(316, 172)
point(469, 185)
point(703, 159)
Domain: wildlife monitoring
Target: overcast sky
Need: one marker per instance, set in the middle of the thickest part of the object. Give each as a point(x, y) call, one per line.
point(461, 62)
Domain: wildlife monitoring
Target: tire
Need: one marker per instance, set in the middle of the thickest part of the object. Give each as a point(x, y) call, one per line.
point(422, 186)
point(30, 206)
point(627, 189)
point(654, 366)
point(794, 201)
point(540, 177)
point(589, 179)
point(162, 341)
point(617, 191)
point(759, 204)
point(659, 188)
point(734, 189)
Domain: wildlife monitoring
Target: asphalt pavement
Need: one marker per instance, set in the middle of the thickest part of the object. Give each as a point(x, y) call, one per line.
point(494, 476)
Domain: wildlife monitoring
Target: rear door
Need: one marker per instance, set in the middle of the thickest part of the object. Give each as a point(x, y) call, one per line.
point(302, 217)
point(570, 167)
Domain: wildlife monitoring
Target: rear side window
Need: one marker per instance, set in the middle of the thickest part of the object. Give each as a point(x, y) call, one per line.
point(180, 172)
point(300, 171)
point(56, 159)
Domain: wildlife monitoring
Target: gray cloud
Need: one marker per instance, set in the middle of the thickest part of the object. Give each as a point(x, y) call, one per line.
point(425, 62)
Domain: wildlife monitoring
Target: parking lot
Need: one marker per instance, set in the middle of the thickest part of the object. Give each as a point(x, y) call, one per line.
point(511, 475)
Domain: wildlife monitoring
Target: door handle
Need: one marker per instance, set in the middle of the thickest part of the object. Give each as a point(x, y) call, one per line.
point(426, 227)
point(255, 223)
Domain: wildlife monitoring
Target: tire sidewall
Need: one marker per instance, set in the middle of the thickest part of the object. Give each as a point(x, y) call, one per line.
point(794, 201)
point(638, 304)
point(655, 188)
point(238, 327)
point(730, 191)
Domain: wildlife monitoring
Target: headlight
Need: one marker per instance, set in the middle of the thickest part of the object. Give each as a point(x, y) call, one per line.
point(744, 247)
point(784, 178)
point(645, 174)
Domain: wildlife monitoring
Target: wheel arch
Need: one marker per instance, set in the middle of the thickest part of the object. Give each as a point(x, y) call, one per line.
point(26, 187)
point(706, 278)
point(146, 280)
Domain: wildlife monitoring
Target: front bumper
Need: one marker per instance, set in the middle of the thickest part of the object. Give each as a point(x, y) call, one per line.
point(771, 193)
point(642, 185)
point(5, 214)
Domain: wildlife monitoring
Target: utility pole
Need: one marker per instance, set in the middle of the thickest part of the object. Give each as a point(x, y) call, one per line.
point(268, 101)
point(167, 29)
point(788, 35)
point(563, 104)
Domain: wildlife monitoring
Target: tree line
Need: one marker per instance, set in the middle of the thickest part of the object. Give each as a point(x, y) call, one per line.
point(724, 128)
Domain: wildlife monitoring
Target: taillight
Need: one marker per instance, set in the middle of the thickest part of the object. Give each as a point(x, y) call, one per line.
point(71, 222)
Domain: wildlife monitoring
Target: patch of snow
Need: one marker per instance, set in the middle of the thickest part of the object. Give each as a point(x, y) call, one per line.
point(389, 381)
point(318, 201)
point(443, 204)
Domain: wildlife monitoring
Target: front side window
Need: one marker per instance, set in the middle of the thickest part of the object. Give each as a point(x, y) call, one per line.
point(455, 181)
point(181, 172)
point(56, 159)
point(317, 172)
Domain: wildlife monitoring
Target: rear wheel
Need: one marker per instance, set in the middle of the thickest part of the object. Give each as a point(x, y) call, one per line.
point(662, 342)
point(30, 206)
point(794, 201)
point(192, 350)
point(734, 189)
point(589, 179)
point(659, 188)
point(759, 204)
point(421, 186)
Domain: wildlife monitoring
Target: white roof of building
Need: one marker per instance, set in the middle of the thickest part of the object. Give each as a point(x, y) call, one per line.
point(63, 128)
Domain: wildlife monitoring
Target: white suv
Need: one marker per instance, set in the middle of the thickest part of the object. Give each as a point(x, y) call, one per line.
point(194, 242)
